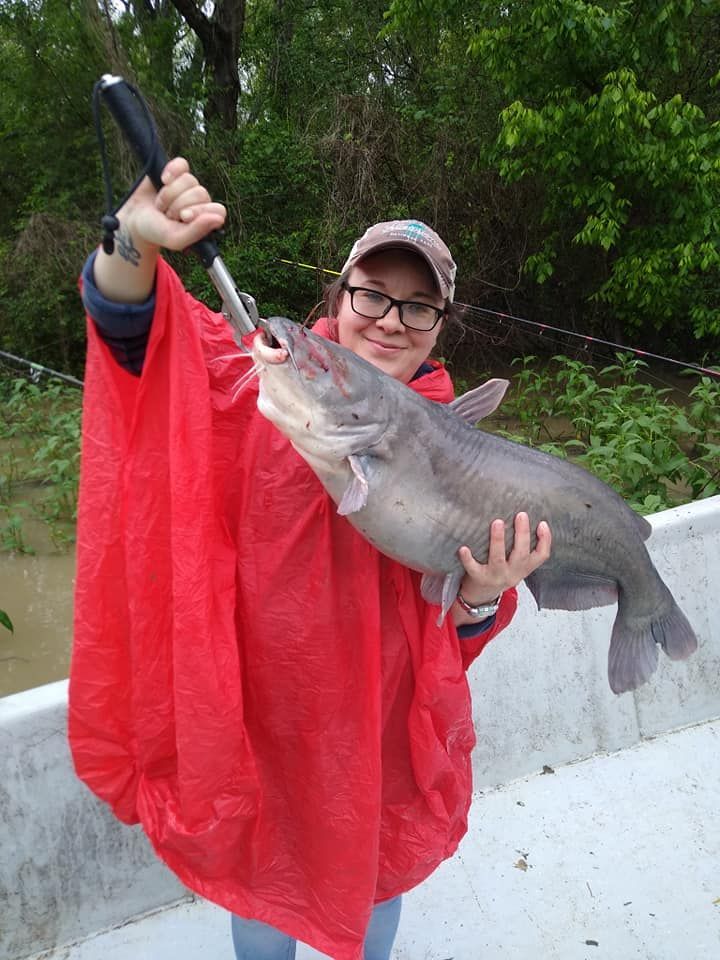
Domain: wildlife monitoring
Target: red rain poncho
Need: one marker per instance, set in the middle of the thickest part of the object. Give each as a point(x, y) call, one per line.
point(251, 680)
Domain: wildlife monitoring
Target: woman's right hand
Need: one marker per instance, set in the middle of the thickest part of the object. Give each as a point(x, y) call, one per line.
point(175, 217)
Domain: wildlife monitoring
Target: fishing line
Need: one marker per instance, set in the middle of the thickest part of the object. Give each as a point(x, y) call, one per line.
point(309, 266)
point(489, 328)
point(542, 327)
point(708, 371)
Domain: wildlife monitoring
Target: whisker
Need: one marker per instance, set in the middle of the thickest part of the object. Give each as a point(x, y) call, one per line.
point(244, 355)
point(240, 383)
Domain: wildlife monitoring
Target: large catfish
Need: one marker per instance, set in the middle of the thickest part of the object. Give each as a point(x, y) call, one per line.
point(418, 480)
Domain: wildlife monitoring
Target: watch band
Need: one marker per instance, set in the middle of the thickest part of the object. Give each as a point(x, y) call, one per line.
point(481, 611)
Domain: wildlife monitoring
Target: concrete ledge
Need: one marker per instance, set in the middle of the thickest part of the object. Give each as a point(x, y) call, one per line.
point(610, 858)
point(68, 869)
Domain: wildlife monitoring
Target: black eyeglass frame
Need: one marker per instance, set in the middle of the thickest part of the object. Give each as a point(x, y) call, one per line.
point(439, 311)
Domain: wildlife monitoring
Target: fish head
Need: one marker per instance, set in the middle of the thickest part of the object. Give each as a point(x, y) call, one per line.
point(328, 402)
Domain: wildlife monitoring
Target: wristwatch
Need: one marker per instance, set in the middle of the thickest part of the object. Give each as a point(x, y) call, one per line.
point(482, 611)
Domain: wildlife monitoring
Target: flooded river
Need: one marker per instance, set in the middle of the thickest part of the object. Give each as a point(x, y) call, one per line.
point(36, 592)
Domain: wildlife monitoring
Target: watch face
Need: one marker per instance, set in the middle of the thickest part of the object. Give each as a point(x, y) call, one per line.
point(481, 610)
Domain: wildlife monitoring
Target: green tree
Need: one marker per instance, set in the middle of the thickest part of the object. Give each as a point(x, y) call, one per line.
point(567, 151)
point(611, 115)
point(49, 50)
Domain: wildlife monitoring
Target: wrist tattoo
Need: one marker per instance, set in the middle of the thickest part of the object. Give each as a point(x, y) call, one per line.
point(126, 248)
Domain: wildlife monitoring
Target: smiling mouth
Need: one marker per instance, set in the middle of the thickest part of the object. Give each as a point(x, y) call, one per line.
point(384, 346)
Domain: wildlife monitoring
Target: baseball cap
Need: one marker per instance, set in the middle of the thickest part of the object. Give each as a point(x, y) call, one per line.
point(409, 235)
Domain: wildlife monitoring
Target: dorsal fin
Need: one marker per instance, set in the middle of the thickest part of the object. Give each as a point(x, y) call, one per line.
point(480, 402)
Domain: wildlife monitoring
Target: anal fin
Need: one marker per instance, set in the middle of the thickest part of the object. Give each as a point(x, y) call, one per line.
point(562, 590)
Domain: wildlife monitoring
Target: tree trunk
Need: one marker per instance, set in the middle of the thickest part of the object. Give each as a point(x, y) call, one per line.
point(220, 36)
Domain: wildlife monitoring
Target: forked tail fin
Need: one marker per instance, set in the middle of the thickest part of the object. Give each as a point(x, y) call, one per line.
point(633, 654)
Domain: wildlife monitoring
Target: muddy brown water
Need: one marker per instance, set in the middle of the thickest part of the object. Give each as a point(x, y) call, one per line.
point(36, 591)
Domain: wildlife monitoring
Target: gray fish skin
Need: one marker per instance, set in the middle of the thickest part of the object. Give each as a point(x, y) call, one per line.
point(418, 482)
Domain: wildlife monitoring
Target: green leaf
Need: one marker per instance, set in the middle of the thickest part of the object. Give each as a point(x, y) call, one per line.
point(6, 621)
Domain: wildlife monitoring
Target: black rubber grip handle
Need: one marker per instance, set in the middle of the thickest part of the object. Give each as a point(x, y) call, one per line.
point(138, 127)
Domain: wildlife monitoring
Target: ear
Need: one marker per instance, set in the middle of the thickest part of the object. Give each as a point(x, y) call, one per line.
point(339, 293)
point(442, 323)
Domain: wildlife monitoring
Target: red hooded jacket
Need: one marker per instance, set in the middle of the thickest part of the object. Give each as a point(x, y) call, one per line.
point(251, 680)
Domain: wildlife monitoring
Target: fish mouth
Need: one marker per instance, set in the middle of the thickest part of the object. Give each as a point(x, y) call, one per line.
point(276, 335)
point(310, 356)
point(269, 337)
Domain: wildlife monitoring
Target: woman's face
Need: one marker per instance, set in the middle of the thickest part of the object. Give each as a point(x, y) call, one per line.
point(395, 349)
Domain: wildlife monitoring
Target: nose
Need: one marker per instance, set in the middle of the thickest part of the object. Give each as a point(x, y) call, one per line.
point(391, 321)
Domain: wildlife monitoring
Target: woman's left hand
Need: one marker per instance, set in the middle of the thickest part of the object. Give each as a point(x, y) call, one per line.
point(483, 582)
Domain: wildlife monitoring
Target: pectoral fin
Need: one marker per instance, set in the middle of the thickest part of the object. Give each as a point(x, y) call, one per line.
point(442, 589)
point(356, 494)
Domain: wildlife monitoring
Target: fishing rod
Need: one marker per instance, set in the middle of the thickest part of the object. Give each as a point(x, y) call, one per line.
point(37, 370)
point(136, 123)
point(542, 327)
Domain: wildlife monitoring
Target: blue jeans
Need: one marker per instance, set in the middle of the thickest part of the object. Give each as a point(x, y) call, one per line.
point(257, 941)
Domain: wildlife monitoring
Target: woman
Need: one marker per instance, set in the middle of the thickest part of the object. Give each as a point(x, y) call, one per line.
point(251, 680)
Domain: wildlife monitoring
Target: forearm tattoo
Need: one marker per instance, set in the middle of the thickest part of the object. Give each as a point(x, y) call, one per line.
point(126, 248)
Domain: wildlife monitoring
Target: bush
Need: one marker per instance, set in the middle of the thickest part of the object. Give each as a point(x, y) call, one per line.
point(654, 452)
point(40, 461)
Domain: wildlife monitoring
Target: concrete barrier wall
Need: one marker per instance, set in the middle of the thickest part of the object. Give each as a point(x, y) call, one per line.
point(540, 692)
point(68, 868)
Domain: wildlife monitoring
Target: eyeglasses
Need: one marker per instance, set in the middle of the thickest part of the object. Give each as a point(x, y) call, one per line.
point(375, 305)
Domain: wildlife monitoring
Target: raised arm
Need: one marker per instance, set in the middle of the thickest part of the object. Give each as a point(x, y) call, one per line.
point(177, 216)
